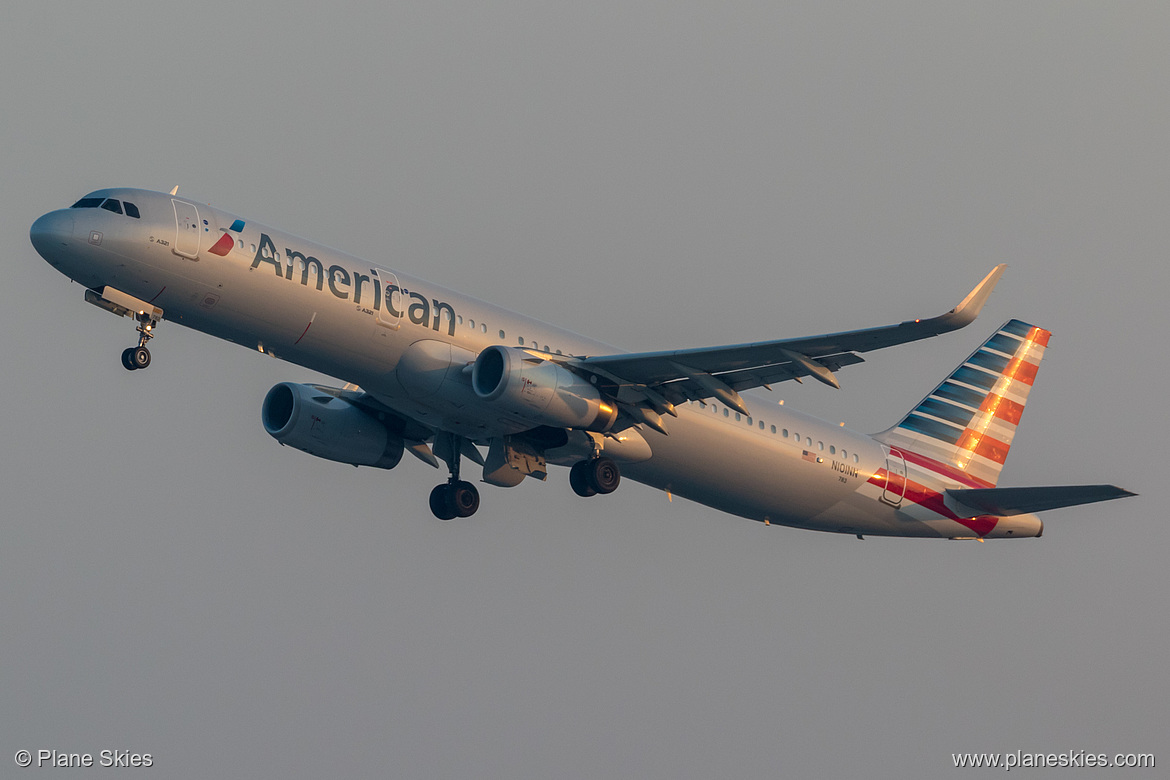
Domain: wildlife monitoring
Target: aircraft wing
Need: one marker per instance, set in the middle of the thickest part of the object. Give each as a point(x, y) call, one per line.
point(660, 379)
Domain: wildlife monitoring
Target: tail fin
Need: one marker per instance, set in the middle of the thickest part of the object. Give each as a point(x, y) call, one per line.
point(968, 422)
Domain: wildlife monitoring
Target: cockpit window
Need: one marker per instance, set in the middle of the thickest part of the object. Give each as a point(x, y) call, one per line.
point(109, 204)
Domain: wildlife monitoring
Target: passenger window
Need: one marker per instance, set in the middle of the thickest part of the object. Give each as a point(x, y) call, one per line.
point(832, 450)
point(749, 421)
point(844, 455)
point(773, 429)
point(797, 437)
point(855, 458)
point(737, 417)
point(87, 203)
point(131, 210)
point(725, 413)
point(785, 431)
point(762, 426)
point(502, 334)
point(520, 340)
point(482, 328)
point(808, 441)
point(820, 445)
point(112, 205)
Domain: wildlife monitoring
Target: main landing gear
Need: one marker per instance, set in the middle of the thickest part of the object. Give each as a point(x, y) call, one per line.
point(134, 358)
point(591, 477)
point(456, 498)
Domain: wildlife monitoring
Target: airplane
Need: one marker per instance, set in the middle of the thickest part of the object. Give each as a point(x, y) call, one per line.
point(444, 376)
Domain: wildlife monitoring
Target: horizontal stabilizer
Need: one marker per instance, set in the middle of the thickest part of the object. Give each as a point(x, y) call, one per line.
point(1025, 500)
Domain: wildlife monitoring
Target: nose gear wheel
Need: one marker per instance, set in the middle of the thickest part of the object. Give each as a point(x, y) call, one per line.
point(134, 358)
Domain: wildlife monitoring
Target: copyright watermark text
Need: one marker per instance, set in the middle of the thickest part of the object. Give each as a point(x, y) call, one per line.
point(1068, 759)
point(61, 759)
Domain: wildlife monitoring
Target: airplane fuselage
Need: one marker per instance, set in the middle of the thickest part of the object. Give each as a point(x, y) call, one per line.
point(410, 344)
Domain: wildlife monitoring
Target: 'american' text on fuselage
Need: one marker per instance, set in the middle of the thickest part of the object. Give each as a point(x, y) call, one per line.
point(341, 282)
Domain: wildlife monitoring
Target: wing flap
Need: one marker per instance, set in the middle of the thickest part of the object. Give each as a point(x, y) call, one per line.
point(747, 378)
point(1008, 501)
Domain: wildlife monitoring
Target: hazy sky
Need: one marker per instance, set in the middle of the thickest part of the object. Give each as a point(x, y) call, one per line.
point(655, 175)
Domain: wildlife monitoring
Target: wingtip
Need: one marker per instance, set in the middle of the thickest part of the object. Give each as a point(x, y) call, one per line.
point(969, 308)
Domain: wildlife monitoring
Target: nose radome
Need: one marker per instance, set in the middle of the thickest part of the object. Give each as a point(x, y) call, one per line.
point(51, 232)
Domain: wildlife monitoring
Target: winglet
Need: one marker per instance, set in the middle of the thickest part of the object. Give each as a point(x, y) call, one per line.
point(969, 308)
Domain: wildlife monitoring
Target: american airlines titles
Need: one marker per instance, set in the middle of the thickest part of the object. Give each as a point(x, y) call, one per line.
point(341, 282)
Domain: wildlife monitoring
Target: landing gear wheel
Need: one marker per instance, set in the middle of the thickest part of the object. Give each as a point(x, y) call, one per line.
point(140, 357)
point(604, 475)
point(128, 358)
point(455, 498)
point(590, 477)
point(464, 498)
point(579, 480)
point(441, 505)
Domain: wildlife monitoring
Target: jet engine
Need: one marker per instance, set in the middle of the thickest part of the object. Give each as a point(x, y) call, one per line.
point(540, 390)
point(306, 417)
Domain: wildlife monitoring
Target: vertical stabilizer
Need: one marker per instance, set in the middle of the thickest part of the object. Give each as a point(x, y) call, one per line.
point(968, 422)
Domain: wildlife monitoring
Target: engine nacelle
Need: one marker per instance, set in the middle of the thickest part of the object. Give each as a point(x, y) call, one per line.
point(304, 417)
point(540, 390)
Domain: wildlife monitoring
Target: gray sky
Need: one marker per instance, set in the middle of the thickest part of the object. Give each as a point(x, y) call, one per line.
point(655, 175)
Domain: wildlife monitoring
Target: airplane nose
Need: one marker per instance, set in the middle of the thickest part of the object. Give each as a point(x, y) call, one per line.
point(51, 233)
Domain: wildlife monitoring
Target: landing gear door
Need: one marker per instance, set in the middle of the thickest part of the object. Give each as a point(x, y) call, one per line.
point(186, 229)
point(388, 303)
point(895, 477)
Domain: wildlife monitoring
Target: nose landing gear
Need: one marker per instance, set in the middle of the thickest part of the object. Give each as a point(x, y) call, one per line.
point(146, 314)
point(134, 358)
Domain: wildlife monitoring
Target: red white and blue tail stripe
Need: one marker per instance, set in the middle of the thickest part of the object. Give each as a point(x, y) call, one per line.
point(968, 422)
